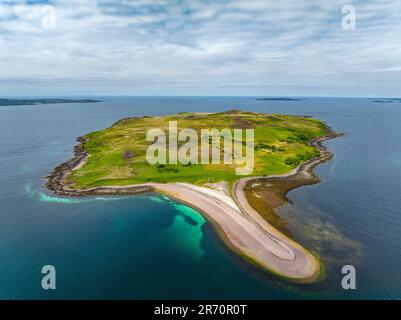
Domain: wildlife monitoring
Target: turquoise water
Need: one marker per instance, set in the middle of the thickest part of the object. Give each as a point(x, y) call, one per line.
point(149, 246)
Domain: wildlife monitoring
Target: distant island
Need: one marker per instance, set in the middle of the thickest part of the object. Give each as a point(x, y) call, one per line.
point(279, 99)
point(286, 150)
point(386, 100)
point(27, 102)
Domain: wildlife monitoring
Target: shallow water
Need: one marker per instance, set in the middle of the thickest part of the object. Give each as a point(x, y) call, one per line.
point(148, 246)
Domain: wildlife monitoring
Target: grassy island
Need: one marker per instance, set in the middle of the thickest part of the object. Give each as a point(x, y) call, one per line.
point(117, 154)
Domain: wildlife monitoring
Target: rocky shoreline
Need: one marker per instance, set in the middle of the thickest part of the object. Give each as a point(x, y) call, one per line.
point(265, 194)
point(56, 180)
point(325, 154)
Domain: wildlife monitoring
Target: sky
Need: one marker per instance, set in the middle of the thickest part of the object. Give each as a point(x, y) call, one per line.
point(219, 47)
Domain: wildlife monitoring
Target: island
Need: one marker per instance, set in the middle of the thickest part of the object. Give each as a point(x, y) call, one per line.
point(279, 99)
point(386, 100)
point(28, 102)
point(286, 150)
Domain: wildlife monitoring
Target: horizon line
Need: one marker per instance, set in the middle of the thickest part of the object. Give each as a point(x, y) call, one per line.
point(186, 96)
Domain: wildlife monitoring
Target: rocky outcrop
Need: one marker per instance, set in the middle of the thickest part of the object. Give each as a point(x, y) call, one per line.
point(57, 179)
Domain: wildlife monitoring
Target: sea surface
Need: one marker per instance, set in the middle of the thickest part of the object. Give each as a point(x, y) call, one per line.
point(150, 247)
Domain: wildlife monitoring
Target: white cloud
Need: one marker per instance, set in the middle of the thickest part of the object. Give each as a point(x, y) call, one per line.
point(156, 46)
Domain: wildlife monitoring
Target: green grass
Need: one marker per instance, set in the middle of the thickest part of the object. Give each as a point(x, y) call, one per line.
point(281, 143)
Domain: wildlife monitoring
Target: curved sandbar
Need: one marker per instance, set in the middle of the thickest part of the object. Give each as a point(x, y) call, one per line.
point(303, 172)
point(247, 233)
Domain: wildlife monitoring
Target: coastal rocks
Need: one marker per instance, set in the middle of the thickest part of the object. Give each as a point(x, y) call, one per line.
point(268, 193)
point(56, 180)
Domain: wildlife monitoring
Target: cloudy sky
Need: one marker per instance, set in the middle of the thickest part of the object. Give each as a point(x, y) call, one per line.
point(219, 47)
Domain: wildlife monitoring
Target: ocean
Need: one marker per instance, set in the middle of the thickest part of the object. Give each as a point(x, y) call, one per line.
point(150, 247)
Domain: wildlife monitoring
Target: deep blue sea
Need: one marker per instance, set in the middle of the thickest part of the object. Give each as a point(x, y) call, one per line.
point(149, 247)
